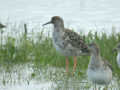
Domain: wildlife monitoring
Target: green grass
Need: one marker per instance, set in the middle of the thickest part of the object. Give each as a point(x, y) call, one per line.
point(40, 50)
point(20, 49)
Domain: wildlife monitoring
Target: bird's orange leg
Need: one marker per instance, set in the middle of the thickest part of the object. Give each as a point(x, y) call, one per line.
point(75, 64)
point(67, 63)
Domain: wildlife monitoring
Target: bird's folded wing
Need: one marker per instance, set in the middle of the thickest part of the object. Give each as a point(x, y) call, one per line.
point(74, 39)
point(108, 64)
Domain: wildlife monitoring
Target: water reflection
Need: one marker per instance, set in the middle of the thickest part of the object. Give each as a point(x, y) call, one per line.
point(29, 77)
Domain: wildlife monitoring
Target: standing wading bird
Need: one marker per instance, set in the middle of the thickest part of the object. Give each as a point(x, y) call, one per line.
point(99, 70)
point(66, 41)
point(118, 55)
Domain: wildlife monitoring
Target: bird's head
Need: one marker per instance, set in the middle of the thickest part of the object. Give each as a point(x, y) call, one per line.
point(93, 48)
point(56, 20)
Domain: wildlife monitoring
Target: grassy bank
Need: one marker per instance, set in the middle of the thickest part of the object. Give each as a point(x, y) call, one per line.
point(40, 51)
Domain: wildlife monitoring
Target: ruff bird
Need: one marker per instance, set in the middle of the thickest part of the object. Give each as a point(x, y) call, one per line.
point(99, 70)
point(66, 41)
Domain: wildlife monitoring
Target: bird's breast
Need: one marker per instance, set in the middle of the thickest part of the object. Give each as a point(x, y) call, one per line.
point(100, 76)
point(57, 40)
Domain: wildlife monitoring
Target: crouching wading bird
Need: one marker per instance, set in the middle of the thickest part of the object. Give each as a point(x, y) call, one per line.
point(117, 48)
point(66, 41)
point(99, 70)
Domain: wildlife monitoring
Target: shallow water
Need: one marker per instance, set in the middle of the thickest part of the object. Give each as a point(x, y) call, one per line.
point(82, 15)
point(28, 77)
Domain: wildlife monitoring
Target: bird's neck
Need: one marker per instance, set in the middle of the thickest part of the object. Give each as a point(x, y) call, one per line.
point(95, 56)
point(95, 60)
point(58, 32)
point(59, 27)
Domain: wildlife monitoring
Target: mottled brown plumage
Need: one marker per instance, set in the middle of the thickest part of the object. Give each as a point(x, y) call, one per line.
point(75, 40)
point(66, 41)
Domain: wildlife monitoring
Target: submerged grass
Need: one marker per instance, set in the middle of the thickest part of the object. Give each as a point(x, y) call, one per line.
point(39, 50)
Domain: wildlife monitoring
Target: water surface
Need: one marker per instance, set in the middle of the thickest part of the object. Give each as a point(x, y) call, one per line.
point(28, 77)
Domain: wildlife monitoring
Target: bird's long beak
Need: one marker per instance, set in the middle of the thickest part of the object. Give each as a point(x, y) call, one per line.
point(47, 23)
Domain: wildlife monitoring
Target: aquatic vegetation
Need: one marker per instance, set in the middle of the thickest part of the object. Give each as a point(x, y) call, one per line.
point(23, 49)
point(37, 49)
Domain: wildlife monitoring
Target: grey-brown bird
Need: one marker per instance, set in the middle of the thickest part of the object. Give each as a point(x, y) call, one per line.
point(99, 70)
point(66, 41)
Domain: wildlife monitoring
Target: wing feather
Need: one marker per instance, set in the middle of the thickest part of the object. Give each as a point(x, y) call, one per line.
point(75, 40)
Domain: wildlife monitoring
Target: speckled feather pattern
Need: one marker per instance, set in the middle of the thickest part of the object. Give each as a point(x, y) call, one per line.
point(75, 40)
point(66, 41)
point(69, 43)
